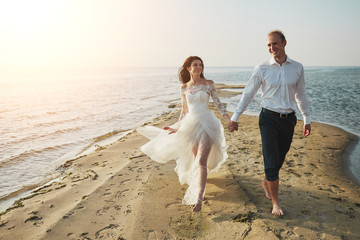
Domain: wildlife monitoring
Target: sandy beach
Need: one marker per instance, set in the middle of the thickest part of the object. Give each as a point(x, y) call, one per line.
point(117, 192)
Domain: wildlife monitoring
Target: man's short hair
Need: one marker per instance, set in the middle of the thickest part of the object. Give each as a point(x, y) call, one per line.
point(280, 33)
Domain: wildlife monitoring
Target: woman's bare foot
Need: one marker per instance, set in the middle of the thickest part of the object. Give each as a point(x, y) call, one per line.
point(197, 207)
point(264, 186)
point(277, 210)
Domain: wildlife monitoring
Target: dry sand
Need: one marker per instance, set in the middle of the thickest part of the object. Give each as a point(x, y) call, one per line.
point(119, 193)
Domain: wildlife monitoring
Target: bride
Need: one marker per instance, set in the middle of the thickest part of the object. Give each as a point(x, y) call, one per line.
point(196, 142)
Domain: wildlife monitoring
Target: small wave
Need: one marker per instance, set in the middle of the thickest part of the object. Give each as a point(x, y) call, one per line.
point(17, 192)
point(66, 130)
point(107, 135)
point(149, 97)
point(49, 124)
point(24, 156)
point(102, 141)
point(34, 136)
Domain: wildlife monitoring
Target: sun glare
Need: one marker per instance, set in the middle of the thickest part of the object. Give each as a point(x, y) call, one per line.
point(27, 28)
point(24, 17)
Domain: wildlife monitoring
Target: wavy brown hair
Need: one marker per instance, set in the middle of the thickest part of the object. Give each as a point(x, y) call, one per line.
point(184, 75)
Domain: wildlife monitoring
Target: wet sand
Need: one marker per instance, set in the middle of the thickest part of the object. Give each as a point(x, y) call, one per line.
point(117, 192)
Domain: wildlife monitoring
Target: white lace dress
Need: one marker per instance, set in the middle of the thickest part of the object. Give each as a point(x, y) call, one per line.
point(197, 128)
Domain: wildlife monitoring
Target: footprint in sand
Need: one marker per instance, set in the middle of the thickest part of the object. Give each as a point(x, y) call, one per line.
point(35, 219)
point(68, 214)
point(325, 189)
point(313, 165)
point(3, 223)
point(79, 206)
point(306, 212)
point(84, 197)
point(121, 194)
point(108, 232)
point(102, 211)
point(170, 204)
point(128, 210)
point(339, 199)
point(290, 164)
point(131, 168)
point(294, 172)
point(84, 235)
point(124, 181)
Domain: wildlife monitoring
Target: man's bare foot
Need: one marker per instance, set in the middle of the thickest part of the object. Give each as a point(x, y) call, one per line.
point(264, 186)
point(277, 210)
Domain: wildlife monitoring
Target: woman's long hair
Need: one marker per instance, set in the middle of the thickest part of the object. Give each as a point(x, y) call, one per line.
point(184, 75)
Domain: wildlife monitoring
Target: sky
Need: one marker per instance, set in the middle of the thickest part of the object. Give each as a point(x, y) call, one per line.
point(87, 34)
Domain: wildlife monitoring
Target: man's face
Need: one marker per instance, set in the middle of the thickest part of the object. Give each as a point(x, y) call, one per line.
point(275, 46)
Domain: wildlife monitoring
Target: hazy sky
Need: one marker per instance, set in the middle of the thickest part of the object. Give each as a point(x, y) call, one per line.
point(100, 34)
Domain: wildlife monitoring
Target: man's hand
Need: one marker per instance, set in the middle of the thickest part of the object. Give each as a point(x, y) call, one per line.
point(233, 126)
point(307, 130)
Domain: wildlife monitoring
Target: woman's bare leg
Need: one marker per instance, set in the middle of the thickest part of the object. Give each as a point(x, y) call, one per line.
point(202, 154)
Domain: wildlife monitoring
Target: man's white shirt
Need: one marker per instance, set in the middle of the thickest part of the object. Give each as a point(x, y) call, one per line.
point(282, 87)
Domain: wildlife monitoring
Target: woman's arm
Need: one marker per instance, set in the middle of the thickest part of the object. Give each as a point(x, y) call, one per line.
point(218, 103)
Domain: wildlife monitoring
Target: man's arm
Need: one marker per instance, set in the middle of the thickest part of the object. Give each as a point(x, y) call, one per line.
point(303, 104)
point(249, 92)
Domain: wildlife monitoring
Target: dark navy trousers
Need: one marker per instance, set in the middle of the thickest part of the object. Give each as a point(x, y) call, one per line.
point(276, 137)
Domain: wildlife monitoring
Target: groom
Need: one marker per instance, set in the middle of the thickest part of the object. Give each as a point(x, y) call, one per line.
point(282, 83)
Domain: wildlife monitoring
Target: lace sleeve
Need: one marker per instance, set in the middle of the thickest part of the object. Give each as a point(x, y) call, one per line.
point(184, 108)
point(216, 99)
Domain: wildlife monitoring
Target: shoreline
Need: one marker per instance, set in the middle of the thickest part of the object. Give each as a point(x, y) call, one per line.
point(349, 152)
point(102, 141)
point(117, 191)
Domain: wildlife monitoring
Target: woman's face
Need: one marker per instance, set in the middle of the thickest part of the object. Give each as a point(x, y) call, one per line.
point(195, 68)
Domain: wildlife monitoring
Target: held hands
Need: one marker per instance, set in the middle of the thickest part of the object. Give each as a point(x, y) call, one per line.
point(233, 126)
point(170, 130)
point(307, 130)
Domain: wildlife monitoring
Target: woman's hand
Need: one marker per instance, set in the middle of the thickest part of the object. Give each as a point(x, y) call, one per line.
point(227, 119)
point(170, 130)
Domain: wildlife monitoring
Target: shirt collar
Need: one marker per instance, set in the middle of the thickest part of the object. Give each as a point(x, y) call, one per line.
point(273, 62)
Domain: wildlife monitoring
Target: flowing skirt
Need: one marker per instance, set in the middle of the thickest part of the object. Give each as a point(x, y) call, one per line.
point(194, 130)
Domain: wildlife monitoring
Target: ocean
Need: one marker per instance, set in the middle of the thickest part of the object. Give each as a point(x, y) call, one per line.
point(48, 119)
